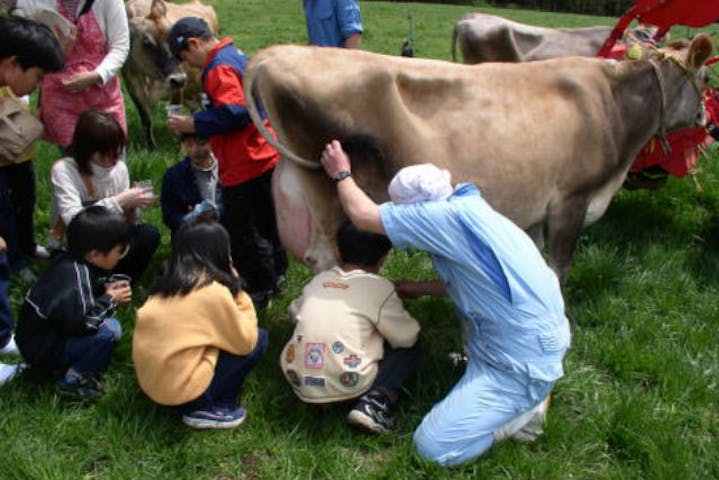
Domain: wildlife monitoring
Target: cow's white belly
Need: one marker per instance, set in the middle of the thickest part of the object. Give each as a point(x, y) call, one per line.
point(599, 201)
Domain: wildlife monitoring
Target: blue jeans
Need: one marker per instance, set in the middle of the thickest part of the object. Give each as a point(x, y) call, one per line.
point(90, 354)
point(396, 366)
point(230, 373)
point(6, 322)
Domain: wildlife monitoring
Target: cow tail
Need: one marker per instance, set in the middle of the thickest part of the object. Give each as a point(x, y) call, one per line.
point(251, 97)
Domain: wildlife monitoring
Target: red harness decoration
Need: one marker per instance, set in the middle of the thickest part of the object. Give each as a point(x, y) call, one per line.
point(683, 144)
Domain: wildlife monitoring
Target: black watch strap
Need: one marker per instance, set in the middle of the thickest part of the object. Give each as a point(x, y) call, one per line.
point(341, 176)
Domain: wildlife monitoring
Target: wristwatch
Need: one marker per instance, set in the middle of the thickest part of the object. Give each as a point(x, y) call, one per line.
point(341, 176)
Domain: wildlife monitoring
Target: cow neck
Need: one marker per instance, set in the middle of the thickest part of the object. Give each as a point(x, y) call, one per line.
point(662, 131)
point(638, 99)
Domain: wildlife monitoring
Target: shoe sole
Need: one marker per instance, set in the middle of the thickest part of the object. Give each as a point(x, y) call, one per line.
point(359, 419)
point(208, 424)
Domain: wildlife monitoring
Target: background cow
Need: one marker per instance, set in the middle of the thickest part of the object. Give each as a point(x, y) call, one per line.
point(488, 38)
point(151, 73)
point(549, 143)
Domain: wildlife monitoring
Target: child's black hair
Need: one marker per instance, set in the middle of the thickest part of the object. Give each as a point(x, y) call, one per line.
point(361, 247)
point(96, 228)
point(200, 255)
point(32, 43)
point(192, 136)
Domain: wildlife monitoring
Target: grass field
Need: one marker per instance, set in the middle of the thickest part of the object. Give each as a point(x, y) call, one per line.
point(639, 399)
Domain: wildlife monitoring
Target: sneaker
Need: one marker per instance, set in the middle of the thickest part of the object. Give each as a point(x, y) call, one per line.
point(10, 348)
point(8, 372)
point(371, 413)
point(41, 252)
point(27, 275)
point(85, 387)
point(215, 418)
point(528, 426)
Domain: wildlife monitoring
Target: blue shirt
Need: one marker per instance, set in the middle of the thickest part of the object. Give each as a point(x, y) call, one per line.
point(509, 299)
point(330, 22)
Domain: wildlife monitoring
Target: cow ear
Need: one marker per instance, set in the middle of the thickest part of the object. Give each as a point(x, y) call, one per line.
point(700, 50)
point(158, 10)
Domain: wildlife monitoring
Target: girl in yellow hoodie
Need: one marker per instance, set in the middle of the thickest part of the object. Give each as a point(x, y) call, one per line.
point(196, 337)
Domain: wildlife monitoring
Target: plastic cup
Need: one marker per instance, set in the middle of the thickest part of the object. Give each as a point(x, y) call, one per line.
point(174, 109)
point(147, 183)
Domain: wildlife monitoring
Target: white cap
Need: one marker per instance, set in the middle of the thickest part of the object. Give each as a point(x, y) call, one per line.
point(420, 183)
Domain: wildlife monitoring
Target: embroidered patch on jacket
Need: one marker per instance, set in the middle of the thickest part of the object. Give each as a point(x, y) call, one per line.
point(352, 361)
point(314, 381)
point(341, 286)
point(293, 377)
point(338, 347)
point(315, 355)
point(290, 354)
point(349, 379)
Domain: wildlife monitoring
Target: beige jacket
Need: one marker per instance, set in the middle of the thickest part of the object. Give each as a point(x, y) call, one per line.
point(342, 320)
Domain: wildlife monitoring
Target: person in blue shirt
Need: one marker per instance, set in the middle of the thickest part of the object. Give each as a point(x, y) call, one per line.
point(515, 332)
point(190, 188)
point(333, 23)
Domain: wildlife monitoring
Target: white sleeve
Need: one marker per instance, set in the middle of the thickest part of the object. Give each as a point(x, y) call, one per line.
point(67, 190)
point(113, 18)
point(25, 8)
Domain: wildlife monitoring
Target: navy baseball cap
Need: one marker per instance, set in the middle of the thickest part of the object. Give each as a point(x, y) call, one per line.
point(184, 29)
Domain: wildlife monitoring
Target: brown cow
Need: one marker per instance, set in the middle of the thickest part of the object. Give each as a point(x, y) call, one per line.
point(151, 73)
point(549, 143)
point(488, 38)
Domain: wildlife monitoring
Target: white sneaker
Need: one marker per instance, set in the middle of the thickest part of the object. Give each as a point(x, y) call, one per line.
point(10, 348)
point(8, 372)
point(41, 252)
point(526, 427)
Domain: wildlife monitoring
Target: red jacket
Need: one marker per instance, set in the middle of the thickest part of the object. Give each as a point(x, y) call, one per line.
point(242, 152)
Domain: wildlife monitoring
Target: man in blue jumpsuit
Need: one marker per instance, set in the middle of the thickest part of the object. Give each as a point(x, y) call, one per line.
point(333, 23)
point(509, 300)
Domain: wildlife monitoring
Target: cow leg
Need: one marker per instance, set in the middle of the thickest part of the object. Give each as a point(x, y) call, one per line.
point(564, 224)
point(141, 102)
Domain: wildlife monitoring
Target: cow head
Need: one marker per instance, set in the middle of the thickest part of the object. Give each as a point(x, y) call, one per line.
point(683, 78)
point(149, 52)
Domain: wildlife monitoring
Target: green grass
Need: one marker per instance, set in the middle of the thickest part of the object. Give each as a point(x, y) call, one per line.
point(639, 400)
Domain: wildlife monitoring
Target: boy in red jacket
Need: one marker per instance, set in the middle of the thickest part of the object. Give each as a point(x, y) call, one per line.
point(246, 160)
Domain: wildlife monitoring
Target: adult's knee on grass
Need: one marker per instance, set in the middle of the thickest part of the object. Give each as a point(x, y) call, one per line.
point(446, 447)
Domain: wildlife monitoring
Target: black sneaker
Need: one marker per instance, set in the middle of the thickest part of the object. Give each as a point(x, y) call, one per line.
point(371, 413)
point(83, 388)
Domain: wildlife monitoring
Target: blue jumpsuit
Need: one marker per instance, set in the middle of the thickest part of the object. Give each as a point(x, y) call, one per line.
point(510, 302)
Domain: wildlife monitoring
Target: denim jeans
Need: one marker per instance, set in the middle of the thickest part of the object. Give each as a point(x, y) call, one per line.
point(396, 366)
point(6, 322)
point(90, 354)
point(230, 373)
